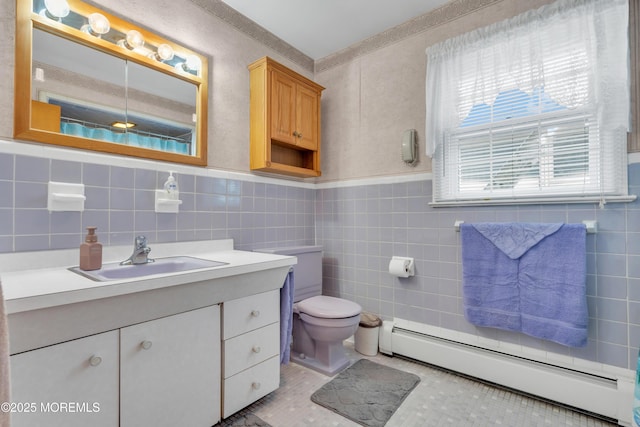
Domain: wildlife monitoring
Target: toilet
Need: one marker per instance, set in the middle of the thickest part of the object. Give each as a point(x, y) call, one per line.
point(320, 323)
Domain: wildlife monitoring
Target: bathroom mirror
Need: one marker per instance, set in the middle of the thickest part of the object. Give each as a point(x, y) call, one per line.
point(108, 86)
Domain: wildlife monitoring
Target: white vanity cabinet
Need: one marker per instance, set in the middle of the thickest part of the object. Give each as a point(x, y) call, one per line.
point(251, 349)
point(163, 372)
point(148, 350)
point(170, 370)
point(70, 384)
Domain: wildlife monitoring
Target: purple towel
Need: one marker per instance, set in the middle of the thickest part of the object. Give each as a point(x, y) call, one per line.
point(553, 289)
point(527, 277)
point(286, 318)
point(490, 283)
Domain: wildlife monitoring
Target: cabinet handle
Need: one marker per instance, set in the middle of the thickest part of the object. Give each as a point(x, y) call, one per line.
point(95, 360)
point(146, 344)
point(255, 313)
point(255, 385)
point(299, 135)
point(296, 134)
point(256, 349)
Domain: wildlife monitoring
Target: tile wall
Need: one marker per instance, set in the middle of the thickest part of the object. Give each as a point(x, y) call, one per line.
point(362, 227)
point(121, 202)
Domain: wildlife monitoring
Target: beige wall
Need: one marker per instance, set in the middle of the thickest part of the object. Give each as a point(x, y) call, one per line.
point(371, 99)
point(229, 51)
point(375, 90)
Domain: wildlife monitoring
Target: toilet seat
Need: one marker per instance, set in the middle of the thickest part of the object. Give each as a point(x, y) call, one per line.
point(326, 307)
point(329, 323)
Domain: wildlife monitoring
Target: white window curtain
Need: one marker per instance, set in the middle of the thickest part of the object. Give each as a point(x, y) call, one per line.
point(532, 108)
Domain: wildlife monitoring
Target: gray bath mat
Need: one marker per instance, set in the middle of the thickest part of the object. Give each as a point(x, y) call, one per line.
point(366, 392)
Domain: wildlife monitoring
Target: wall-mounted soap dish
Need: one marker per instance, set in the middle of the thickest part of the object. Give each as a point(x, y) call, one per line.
point(166, 203)
point(64, 196)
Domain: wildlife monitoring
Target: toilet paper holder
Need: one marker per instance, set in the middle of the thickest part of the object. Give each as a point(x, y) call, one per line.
point(402, 266)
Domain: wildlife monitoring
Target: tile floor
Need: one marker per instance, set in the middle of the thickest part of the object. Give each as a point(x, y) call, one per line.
point(441, 399)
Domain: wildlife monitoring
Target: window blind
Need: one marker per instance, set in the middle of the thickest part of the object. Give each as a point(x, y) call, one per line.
point(533, 107)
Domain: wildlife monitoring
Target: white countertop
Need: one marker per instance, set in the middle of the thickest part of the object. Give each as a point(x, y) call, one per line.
point(35, 280)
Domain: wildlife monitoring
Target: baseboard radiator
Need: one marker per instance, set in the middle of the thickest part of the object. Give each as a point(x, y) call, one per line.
point(605, 395)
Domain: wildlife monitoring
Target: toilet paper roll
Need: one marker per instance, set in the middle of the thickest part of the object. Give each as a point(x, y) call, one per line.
point(401, 267)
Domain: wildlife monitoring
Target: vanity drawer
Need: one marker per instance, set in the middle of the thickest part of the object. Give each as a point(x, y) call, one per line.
point(249, 349)
point(246, 314)
point(250, 385)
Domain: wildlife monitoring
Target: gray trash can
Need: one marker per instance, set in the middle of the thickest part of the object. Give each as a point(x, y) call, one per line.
point(366, 337)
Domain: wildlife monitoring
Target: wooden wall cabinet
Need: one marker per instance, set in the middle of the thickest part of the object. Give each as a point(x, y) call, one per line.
point(45, 116)
point(285, 120)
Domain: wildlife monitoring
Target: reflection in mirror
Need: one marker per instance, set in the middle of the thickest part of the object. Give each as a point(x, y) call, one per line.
point(63, 72)
point(169, 106)
point(95, 86)
point(119, 102)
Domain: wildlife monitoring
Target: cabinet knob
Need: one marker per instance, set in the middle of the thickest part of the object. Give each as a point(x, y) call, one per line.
point(296, 134)
point(146, 344)
point(256, 349)
point(299, 134)
point(95, 360)
point(255, 313)
point(255, 385)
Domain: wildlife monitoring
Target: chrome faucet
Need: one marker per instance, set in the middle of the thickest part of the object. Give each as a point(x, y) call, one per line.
point(140, 253)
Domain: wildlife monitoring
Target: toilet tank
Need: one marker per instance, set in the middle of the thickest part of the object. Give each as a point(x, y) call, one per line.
point(307, 273)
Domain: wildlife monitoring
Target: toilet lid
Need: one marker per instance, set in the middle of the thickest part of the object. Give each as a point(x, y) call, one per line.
point(328, 307)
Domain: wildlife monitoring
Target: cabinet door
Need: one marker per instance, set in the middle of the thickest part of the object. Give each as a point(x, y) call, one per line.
point(69, 384)
point(283, 104)
point(307, 118)
point(170, 371)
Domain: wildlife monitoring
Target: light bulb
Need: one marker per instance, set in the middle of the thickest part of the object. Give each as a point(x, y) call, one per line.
point(133, 40)
point(55, 9)
point(193, 62)
point(98, 25)
point(164, 53)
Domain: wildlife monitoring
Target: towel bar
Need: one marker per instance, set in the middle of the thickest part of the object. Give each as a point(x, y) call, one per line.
point(592, 225)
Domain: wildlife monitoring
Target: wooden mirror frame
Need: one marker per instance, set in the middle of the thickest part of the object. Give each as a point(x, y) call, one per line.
point(27, 20)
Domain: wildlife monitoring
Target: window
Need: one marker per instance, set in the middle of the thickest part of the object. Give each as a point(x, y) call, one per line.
point(532, 109)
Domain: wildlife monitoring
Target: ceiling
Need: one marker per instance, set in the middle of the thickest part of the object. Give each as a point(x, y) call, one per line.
point(319, 28)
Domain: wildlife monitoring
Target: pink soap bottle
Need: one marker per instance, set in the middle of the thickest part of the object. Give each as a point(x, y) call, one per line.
point(91, 251)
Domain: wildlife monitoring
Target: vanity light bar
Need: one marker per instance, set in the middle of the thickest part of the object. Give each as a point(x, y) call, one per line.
point(79, 16)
